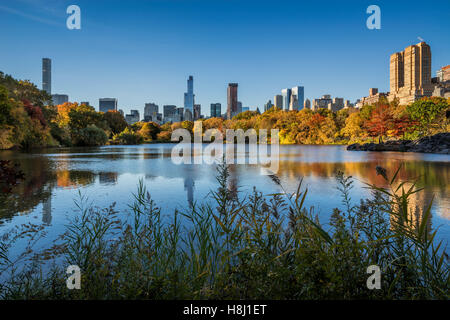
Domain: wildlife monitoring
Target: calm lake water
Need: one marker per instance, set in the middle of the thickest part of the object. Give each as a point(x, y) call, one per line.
point(111, 174)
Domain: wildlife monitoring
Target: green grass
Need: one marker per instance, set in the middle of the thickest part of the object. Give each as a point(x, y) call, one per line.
point(259, 247)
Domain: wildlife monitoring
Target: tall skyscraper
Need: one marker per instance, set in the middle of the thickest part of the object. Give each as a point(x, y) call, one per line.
point(232, 100)
point(297, 98)
point(278, 101)
point(189, 99)
point(47, 75)
point(216, 110)
point(410, 73)
point(286, 94)
point(107, 104)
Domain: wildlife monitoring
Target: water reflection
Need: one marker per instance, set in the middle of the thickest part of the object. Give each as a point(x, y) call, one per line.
point(110, 173)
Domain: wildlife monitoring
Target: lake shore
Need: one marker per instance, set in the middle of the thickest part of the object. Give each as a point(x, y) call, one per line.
point(438, 143)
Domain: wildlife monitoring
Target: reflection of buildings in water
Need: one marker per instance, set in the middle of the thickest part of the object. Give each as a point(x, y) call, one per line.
point(47, 210)
point(189, 187)
point(233, 180)
point(106, 178)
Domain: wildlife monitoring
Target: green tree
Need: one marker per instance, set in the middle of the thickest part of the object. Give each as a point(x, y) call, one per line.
point(115, 121)
point(426, 112)
point(91, 136)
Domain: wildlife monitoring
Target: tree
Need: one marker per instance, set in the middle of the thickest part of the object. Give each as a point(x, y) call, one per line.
point(128, 136)
point(82, 116)
point(353, 126)
point(91, 136)
point(380, 121)
point(150, 130)
point(426, 112)
point(115, 121)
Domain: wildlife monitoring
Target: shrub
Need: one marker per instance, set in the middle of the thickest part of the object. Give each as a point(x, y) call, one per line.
point(128, 136)
point(91, 136)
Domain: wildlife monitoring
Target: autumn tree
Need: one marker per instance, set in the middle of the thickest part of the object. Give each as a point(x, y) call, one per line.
point(380, 121)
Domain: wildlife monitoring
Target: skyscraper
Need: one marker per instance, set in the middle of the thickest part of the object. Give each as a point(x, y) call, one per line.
point(197, 111)
point(107, 104)
point(286, 94)
point(47, 75)
point(278, 101)
point(410, 73)
point(189, 99)
point(150, 111)
point(232, 100)
point(216, 110)
point(297, 98)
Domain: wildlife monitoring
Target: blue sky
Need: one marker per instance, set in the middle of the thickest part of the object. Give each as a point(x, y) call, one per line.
point(143, 51)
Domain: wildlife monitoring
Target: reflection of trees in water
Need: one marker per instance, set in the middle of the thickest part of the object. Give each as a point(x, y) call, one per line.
point(428, 174)
point(41, 176)
point(433, 176)
point(32, 191)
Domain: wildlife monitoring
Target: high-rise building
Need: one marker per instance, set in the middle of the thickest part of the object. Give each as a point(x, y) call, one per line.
point(286, 94)
point(59, 99)
point(297, 98)
point(180, 112)
point(171, 114)
point(307, 104)
point(189, 99)
point(197, 111)
point(150, 111)
point(107, 104)
point(86, 103)
point(47, 75)
point(410, 73)
point(278, 101)
point(169, 110)
point(232, 100)
point(133, 117)
point(268, 105)
point(239, 107)
point(216, 110)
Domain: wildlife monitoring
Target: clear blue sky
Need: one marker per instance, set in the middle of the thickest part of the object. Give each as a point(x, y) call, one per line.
point(143, 51)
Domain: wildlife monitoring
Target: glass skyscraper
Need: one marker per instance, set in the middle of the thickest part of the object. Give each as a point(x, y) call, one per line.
point(47, 75)
point(189, 99)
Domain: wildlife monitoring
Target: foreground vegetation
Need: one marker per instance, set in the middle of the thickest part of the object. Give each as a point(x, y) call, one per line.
point(235, 247)
point(27, 121)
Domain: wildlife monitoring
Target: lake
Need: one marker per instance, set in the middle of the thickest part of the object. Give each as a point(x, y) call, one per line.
point(54, 178)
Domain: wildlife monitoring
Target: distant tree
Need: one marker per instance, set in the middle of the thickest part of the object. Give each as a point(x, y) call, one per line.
point(150, 130)
point(91, 136)
point(380, 121)
point(426, 111)
point(353, 126)
point(115, 121)
point(82, 116)
point(164, 136)
point(129, 137)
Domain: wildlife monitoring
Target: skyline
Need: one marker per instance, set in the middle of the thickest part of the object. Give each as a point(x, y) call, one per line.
point(144, 52)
